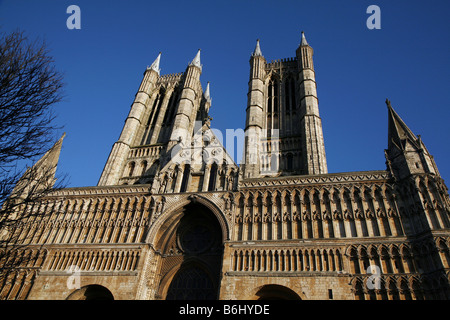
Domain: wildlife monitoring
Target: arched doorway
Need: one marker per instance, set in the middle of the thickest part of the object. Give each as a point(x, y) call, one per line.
point(192, 251)
point(276, 292)
point(91, 292)
point(192, 283)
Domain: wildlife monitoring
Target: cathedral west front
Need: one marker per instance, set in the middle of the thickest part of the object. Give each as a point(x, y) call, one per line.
point(174, 217)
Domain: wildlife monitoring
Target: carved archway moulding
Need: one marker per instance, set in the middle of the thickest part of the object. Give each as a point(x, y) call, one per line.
point(169, 276)
point(273, 290)
point(177, 208)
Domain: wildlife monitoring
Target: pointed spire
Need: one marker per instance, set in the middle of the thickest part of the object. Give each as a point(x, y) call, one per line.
point(155, 64)
point(304, 42)
point(51, 157)
point(41, 175)
point(257, 51)
point(398, 131)
point(196, 61)
point(406, 154)
point(207, 94)
point(398, 125)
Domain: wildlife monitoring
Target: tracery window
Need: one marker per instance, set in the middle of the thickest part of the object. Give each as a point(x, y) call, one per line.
point(131, 167)
point(272, 106)
point(212, 177)
point(191, 283)
point(196, 238)
point(143, 167)
point(186, 173)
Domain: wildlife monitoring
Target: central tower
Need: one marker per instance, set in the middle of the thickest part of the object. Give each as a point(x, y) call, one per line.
point(283, 126)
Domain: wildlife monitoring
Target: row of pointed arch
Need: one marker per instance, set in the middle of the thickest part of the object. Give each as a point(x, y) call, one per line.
point(326, 194)
point(322, 212)
point(401, 271)
point(18, 271)
point(94, 260)
point(426, 256)
point(404, 287)
point(91, 220)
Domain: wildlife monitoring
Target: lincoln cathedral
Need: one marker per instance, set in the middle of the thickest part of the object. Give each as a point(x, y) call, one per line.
point(174, 217)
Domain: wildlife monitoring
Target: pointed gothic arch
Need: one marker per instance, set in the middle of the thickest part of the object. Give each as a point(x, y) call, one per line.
point(275, 292)
point(176, 209)
point(190, 240)
point(192, 280)
point(91, 292)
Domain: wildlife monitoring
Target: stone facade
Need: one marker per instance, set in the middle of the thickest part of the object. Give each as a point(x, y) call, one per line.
point(174, 217)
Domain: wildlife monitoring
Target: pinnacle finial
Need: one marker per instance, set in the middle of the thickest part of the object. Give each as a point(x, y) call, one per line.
point(155, 64)
point(304, 42)
point(257, 51)
point(196, 61)
point(388, 103)
point(207, 93)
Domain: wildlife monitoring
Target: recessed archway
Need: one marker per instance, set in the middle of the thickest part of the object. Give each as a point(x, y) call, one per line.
point(191, 246)
point(192, 282)
point(91, 292)
point(276, 292)
point(172, 213)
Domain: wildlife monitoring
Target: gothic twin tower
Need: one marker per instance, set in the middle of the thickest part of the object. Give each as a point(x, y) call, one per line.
point(169, 110)
point(173, 209)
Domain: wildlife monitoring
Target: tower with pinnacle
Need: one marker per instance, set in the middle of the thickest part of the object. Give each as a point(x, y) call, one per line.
point(283, 126)
point(166, 140)
point(173, 217)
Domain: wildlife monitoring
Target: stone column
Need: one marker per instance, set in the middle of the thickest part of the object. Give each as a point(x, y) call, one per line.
point(206, 177)
point(264, 220)
point(179, 179)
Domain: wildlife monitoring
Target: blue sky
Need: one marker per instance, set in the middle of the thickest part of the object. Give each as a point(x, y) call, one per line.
point(407, 61)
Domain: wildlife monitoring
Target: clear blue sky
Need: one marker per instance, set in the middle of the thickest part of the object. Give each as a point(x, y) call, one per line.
point(407, 61)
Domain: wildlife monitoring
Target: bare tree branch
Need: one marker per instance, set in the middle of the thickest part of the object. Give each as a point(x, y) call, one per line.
point(30, 87)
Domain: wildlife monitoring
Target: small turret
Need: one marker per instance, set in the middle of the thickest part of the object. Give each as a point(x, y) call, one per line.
point(255, 111)
point(304, 42)
point(151, 76)
point(304, 54)
point(117, 157)
point(207, 94)
point(155, 64)
point(40, 178)
point(257, 63)
point(314, 158)
point(257, 51)
point(196, 61)
point(187, 108)
point(406, 153)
